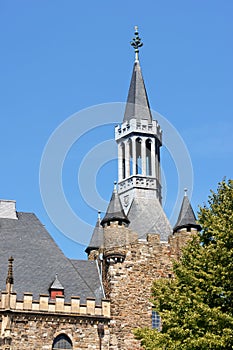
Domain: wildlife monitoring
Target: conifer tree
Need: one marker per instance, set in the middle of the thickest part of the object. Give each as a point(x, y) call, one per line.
point(196, 306)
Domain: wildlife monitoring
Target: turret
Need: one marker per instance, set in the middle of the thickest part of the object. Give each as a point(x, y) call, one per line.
point(96, 242)
point(186, 220)
point(139, 139)
point(116, 232)
point(185, 226)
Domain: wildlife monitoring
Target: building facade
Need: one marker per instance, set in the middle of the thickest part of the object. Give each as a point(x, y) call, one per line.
point(51, 302)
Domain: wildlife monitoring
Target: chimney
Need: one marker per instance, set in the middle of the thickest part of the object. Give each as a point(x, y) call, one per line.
point(7, 209)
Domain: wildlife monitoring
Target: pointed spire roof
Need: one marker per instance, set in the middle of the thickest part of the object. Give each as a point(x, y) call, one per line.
point(115, 211)
point(97, 237)
point(137, 106)
point(186, 218)
point(56, 284)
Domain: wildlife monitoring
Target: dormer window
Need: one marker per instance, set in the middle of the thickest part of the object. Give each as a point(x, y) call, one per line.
point(56, 288)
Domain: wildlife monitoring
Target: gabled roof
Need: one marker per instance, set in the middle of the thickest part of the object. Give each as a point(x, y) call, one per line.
point(115, 211)
point(186, 218)
point(97, 237)
point(137, 105)
point(37, 259)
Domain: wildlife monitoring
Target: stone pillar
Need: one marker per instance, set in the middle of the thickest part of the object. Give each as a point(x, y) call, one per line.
point(157, 161)
point(127, 159)
point(120, 162)
point(153, 161)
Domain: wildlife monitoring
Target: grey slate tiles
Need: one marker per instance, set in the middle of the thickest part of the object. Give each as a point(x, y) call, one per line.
point(37, 259)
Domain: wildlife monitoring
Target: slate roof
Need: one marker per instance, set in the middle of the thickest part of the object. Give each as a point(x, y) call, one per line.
point(186, 216)
point(115, 211)
point(137, 105)
point(89, 270)
point(56, 284)
point(97, 237)
point(37, 259)
point(146, 215)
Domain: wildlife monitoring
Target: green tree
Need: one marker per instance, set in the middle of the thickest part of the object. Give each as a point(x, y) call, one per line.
point(196, 306)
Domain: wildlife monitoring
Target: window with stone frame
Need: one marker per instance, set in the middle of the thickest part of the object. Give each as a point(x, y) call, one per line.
point(155, 320)
point(62, 342)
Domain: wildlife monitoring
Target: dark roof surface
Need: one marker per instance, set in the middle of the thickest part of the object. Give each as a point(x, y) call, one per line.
point(37, 259)
point(137, 102)
point(146, 215)
point(97, 237)
point(115, 211)
point(89, 271)
point(186, 216)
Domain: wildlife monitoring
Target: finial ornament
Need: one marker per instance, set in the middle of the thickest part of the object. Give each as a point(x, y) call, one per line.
point(136, 43)
point(115, 186)
point(99, 212)
point(10, 278)
point(185, 191)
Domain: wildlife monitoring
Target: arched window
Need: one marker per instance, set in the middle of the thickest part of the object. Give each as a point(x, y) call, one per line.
point(148, 158)
point(63, 342)
point(138, 156)
point(123, 160)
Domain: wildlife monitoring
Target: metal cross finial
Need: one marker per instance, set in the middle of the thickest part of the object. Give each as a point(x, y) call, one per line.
point(136, 43)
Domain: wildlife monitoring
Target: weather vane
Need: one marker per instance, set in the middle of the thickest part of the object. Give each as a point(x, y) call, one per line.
point(136, 43)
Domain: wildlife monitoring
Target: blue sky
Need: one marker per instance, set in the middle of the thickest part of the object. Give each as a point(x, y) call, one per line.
point(60, 57)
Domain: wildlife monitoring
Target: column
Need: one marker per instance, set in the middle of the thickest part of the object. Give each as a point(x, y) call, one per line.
point(153, 160)
point(120, 162)
point(127, 159)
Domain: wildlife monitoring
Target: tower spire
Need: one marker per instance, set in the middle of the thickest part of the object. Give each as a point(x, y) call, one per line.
point(136, 43)
point(137, 106)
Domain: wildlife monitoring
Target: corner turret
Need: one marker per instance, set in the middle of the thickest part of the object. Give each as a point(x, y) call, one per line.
point(96, 241)
point(115, 212)
point(186, 219)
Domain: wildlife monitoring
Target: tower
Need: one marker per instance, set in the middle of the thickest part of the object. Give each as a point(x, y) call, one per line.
point(139, 139)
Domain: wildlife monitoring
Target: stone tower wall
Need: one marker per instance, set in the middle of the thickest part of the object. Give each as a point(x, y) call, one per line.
point(129, 288)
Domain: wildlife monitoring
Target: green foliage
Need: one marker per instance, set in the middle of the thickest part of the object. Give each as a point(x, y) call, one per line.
point(196, 306)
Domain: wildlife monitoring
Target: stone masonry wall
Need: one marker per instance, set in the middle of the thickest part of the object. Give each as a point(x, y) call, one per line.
point(129, 288)
point(34, 332)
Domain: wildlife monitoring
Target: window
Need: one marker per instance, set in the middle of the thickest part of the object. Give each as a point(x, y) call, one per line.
point(123, 160)
point(156, 320)
point(148, 157)
point(138, 156)
point(62, 342)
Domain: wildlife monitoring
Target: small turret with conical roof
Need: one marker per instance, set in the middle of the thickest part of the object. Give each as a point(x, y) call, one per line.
point(186, 219)
point(115, 212)
point(96, 241)
point(185, 226)
point(116, 232)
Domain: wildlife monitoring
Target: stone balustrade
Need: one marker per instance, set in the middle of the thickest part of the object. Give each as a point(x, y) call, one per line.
point(142, 126)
